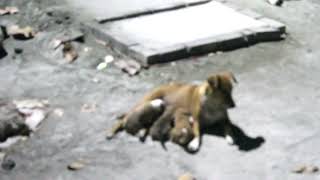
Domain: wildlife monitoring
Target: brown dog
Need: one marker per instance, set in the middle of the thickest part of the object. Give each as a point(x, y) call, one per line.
point(207, 103)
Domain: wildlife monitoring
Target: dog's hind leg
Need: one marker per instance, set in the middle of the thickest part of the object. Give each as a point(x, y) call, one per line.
point(117, 127)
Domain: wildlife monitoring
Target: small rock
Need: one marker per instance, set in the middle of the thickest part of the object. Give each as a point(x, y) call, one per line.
point(9, 10)
point(69, 53)
point(108, 59)
point(312, 169)
point(77, 165)
point(86, 49)
point(58, 112)
point(95, 80)
point(89, 108)
point(186, 176)
point(8, 164)
point(102, 66)
point(219, 52)
point(129, 66)
point(299, 169)
point(305, 169)
point(21, 33)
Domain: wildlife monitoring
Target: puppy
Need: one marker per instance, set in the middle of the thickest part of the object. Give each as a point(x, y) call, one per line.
point(182, 132)
point(208, 104)
point(139, 119)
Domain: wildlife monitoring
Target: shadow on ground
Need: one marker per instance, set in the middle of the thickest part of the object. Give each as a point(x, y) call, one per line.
point(242, 140)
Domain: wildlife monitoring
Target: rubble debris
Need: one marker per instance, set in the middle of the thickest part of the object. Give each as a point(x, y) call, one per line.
point(69, 52)
point(303, 169)
point(9, 10)
point(275, 2)
point(68, 36)
point(103, 43)
point(89, 108)
point(186, 176)
point(12, 123)
point(77, 165)
point(129, 66)
point(8, 164)
point(34, 112)
point(107, 60)
point(21, 33)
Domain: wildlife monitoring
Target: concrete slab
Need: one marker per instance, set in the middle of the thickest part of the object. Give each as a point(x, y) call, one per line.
point(176, 34)
point(118, 9)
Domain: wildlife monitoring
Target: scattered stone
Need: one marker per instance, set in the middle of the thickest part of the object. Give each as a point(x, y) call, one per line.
point(305, 169)
point(21, 33)
point(186, 176)
point(219, 52)
point(75, 166)
point(58, 112)
point(9, 10)
point(275, 2)
point(96, 80)
point(86, 49)
point(129, 66)
point(102, 66)
point(103, 43)
point(8, 164)
point(69, 52)
point(34, 112)
point(71, 35)
point(108, 59)
point(299, 169)
point(89, 108)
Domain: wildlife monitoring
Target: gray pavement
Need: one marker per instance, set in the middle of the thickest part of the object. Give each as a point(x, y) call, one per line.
point(277, 98)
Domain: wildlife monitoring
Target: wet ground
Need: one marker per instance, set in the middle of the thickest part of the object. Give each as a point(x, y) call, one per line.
point(277, 98)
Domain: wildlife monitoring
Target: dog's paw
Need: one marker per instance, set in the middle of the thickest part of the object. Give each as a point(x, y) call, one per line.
point(229, 140)
point(194, 145)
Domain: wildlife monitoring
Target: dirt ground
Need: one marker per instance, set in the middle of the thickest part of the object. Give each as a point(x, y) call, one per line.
point(278, 98)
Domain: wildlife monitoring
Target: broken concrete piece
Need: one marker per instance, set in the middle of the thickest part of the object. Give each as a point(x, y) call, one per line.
point(129, 66)
point(21, 33)
point(77, 165)
point(108, 59)
point(68, 36)
point(102, 66)
point(69, 53)
point(9, 10)
point(34, 112)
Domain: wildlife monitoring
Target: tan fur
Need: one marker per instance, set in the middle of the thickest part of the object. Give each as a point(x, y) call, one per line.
point(207, 103)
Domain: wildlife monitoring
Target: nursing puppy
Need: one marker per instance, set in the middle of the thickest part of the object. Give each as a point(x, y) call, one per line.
point(182, 132)
point(139, 119)
point(208, 104)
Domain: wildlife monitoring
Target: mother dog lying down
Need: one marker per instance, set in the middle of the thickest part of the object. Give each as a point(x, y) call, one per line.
point(207, 104)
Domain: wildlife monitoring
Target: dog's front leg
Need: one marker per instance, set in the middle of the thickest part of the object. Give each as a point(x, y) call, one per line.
point(194, 144)
point(228, 133)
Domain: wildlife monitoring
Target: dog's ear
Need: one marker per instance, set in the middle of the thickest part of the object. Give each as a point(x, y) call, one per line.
point(213, 81)
point(228, 76)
